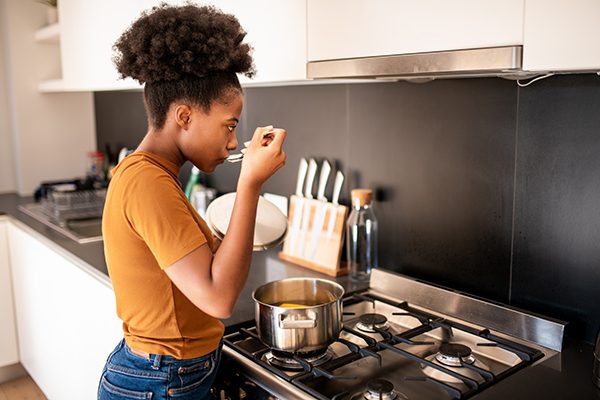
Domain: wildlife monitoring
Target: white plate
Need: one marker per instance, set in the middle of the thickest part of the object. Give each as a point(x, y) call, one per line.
point(271, 225)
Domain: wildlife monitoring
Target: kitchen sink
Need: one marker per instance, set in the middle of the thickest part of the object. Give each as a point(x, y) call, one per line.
point(86, 230)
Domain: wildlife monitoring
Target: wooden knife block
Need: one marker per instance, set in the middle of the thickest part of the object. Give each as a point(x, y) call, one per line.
point(327, 258)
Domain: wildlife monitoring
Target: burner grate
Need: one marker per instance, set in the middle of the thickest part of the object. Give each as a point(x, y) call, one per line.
point(313, 378)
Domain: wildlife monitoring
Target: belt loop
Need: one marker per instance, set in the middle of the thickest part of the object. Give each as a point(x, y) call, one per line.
point(157, 359)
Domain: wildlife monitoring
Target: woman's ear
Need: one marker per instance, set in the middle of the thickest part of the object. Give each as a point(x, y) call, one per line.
point(183, 114)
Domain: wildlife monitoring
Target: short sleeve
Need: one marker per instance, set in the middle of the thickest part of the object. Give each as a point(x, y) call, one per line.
point(163, 218)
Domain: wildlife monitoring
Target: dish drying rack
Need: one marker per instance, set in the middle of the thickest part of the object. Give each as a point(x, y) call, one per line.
point(71, 205)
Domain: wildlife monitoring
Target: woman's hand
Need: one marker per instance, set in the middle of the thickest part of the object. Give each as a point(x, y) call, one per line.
point(263, 156)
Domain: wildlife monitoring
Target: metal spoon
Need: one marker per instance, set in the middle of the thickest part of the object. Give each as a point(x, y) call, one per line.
point(235, 158)
point(239, 157)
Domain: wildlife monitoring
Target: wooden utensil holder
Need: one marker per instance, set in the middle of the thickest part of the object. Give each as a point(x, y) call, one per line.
point(327, 258)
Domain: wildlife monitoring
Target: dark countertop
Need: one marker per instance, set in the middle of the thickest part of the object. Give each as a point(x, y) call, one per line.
point(567, 375)
point(266, 265)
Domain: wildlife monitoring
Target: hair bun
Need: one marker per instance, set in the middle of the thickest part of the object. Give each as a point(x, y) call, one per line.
point(168, 42)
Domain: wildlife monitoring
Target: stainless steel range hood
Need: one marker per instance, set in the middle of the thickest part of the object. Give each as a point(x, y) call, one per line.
point(495, 61)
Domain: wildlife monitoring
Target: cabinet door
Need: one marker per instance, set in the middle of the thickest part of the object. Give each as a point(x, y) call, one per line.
point(340, 29)
point(562, 35)
point(276, 29)
point(8, 334)
point(88, 31)
point(66, 318)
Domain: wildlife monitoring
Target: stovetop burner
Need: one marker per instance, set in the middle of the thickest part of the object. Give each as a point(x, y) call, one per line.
point(457, 358)
point(379, 389)
point(452, 354)
point(289, 361)
point(372, 322)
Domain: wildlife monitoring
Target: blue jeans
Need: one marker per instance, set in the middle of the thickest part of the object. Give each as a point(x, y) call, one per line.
point(129, 376)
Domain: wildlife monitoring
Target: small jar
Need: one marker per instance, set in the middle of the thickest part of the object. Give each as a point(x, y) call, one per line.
point(361, 236)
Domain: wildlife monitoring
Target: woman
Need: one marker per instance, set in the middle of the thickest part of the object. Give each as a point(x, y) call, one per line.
point(170, 282)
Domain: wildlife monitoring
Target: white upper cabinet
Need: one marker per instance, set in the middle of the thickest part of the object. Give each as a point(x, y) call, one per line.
point(339, 29)
point(276, 29)
point(562, 35)
point(555, 35)
point(88, 31)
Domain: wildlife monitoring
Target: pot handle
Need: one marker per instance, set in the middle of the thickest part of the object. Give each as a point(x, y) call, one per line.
point(286, 323)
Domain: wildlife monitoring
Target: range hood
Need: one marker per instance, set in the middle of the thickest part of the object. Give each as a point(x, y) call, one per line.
point(503, 61)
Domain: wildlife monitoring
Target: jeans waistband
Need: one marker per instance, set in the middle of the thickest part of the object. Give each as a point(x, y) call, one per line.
point(158, 359)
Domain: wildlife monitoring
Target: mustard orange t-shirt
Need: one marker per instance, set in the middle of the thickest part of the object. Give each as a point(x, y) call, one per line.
point(148, 224)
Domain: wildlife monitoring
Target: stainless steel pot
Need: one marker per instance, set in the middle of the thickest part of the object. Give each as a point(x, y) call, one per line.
point(298, 314)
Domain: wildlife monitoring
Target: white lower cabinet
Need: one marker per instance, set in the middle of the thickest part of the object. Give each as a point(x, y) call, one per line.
point(66, 318)
point(8, 334)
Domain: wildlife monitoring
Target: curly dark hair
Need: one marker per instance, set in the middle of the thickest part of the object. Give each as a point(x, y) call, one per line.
point(183, 53)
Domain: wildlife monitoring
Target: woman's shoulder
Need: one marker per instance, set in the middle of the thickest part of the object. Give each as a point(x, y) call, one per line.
point(145, 164)
point(144, 174)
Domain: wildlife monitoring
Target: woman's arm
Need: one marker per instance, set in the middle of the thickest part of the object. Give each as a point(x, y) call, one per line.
point(214, 283)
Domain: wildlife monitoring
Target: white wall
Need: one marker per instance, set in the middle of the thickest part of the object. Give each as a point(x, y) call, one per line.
point(8, 181)
point(51, 133)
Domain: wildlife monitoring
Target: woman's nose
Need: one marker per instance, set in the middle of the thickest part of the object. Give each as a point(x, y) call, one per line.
point(232, 145)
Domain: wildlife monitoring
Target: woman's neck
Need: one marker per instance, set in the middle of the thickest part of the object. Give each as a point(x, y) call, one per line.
point(162, 144)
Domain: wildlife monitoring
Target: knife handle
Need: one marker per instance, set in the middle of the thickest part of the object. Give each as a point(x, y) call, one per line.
point(312, 169)
point(301, 176)
point(337, 188)
point(325, 169)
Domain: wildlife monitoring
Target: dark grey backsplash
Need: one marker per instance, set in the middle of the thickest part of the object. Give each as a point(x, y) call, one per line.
point(481, 185)
point(120, 120)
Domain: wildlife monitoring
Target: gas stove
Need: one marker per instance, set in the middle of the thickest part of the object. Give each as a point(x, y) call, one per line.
point(401, 339)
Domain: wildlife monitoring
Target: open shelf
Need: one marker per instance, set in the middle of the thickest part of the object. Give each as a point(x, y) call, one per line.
point(48, 34)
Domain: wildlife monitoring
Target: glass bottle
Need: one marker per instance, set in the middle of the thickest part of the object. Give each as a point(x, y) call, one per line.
point(361, 236)
point(194, 180)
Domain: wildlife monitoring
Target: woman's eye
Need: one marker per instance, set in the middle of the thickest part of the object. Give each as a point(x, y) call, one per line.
point(231, 128)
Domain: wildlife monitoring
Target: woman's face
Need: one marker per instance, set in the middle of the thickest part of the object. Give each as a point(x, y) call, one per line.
point(210, 137)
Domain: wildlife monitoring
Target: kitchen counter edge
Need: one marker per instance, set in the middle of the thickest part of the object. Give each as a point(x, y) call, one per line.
point(266, 266)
